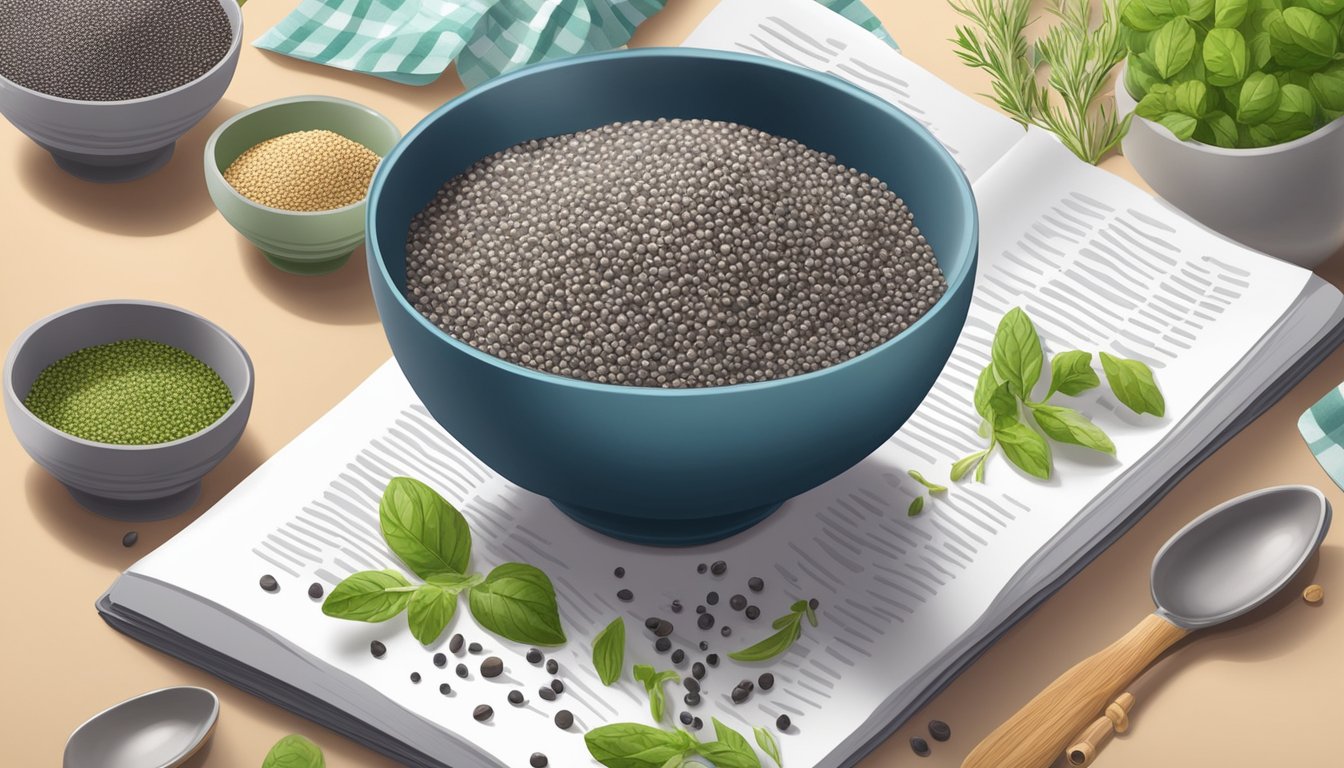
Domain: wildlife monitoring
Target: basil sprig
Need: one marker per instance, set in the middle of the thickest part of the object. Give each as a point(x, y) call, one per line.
point(294, 751)
point(515, 600)
point(653, 684)
point(609, 651)
point(789, 628)
point(1003, 393)
point(631, 745)
point(766, 741)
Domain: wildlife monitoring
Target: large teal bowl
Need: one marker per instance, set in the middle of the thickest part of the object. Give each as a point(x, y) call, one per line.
point(672, 466)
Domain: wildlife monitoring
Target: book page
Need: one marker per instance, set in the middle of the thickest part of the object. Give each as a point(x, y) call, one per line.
point(804, 33)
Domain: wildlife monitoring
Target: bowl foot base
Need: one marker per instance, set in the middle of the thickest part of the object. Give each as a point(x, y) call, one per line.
point(138, 510)
point(307, 266)
point(666, 533)
point(106, 169)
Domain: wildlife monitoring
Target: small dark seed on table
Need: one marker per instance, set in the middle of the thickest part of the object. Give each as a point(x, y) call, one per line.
point(691, 684)
point(685, 718)
point(920, 746)
point(678, 656)
point(474, 648)
point(783, 722)
point(462, 670)
point(546, 693)
point(415, 677)
point(813, 603)
point(766, 681)
point(515, 697)
point(712, 659)
point(315, 591)
point(493, 666)
point(440, 660)
point(753, 613)
point(697, 670)
point(652, 622)
point(701, 568)
point(445, 688)
point(557, 686)
point(704, 645)
point(483, 712)
point(534, 656)
point(563, 719)
point(692, 699)
point(620, 572)
point(538, 760)
point(697, 724)
point(676, 606)
point(712, 598)
point(939, 730)
point(129, 539)
point(705, 621)
point(552, 666)
point(625, 595)
point(756, 584)
point(740, 695)
point(700, 609)
point(663, 629)
point(718, 568)
point(268, 583)
point(377, 649)
point(737, 602)
point(455, 645)
point(726, 631)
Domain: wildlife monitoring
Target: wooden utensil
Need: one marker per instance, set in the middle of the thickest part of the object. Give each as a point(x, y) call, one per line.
point(1087, 744)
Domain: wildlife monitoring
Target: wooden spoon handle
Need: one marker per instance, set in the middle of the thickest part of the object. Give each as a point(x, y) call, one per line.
point(1035, 736)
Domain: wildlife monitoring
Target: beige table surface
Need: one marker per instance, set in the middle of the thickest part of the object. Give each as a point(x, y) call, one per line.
point(1262, 694)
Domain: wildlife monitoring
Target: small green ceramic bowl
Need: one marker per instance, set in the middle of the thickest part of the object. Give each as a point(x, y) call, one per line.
point(301, 242)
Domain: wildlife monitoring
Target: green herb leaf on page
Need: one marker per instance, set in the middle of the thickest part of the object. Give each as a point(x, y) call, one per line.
point(1071, 373)
point(653, 685)
point(1016, 352)
point(294, 751)
point(631, 745)
point(919, 478)
point(772, 646)
point(1025, 448)
point(916, 507)
point(766, 741)
point(430, 609)
point(517, 602)
point(965, 464)
point(370, 596)
point(1066, 425)
point(609, 651)
point(729, 750)
point(423, 529)
point(1133, 384)
point(984, 390)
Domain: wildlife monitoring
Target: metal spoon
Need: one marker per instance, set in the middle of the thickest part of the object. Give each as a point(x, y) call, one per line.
point(159, 729)
point(1224, 563)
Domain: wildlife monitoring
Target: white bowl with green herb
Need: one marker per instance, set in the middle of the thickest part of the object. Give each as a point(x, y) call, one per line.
point(1239, 117)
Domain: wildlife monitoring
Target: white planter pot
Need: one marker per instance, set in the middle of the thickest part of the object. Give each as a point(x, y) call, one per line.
point(1286, 200)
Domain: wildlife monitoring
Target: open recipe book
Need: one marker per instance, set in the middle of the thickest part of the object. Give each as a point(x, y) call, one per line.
point(905, 603)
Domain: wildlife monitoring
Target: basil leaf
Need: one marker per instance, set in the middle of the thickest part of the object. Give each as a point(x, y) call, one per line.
point(423, 529)
point(1182, 126)
point(1016, 353)
point(984, 387)
point(1133, 384)
point(1323, 7)
point(1227, 59)
point(964, 465)
point(631, 745)
point(1071, 373)
point(1192, 98)
point(1302, 39)
point(1328, 87)
point(1258, 100)
point(1140, 77)
point(369, 596)
point(653, 685)
point(730, 750)
point(456, 582)
point(811, 615)
point(430, 609)
point(916, 507)
point(919, 478)
point(1218, 129)
point(517, 602)
point(294, 751)
point(1026, 448)
point(775, 644)
point(1003, 406)
point(1228, 14)
point(1199, 9)
point(1147, 15)
point(1157, 103)
point(1261, 50)
point(1296, 111)
point(1172, 47)
point(1066, 425)
point(766, 741)
point(609, 651)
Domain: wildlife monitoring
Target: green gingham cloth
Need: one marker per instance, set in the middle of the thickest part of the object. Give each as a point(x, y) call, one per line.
point(1322, 426)
point(414, 41)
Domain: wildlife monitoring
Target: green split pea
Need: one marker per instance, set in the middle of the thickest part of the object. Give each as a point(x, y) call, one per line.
point(130, 392)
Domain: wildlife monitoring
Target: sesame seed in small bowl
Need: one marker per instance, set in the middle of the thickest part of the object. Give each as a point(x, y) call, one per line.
point(292, 175)
point(128, 403)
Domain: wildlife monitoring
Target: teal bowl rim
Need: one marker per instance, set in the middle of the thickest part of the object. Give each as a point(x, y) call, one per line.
point(26, 336)
point(234, 52)
point(971, 222)
point(213, 171)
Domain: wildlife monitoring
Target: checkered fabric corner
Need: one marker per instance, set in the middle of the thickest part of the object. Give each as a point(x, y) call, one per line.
point(414, 41)
point(1322, 426)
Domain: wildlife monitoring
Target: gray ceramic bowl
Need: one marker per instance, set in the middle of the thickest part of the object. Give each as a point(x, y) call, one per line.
point(110, 141)
point(135, 482)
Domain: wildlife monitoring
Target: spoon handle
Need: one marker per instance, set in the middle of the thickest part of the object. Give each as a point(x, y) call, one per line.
point(1035, 736)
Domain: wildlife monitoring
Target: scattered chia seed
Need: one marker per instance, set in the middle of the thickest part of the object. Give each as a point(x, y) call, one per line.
point(415, 677)
point(552, 667)
point(493, 666)
point(563, 719)
point(756, 584)
point(740, 695)
point(697, 724)
point(620, 572)
point(692, 699)
point(701, 568)
point(445, 689)
point(726, 630)
point(705, 621)
point(651, 622)
point(546, 693)
point(482, 713)
point(718, 568)
point(678, 656)
point(698, 670)
point(625, 595)
point(753, 613)
point(663, 628)
point(516, 698)
point(783, 722)
point(455, 644)
point(129, 539)
point(704, 645)
point(813, 603)
point(462, 671)
point(538, 760)
point(315, 591)
point(737, 602)
point(533, 656)
point(662, 645)
point(440, 660)
point(474, 648)
point(377, 649)
point(920, 746)
point(269, 583)
point(766, 681)
point(712, 659)
point(700, 609)
point(712, 598)
point(939, 730)
point(557, 686)
point(691, 684)
point(685, 718)
point(676, 606)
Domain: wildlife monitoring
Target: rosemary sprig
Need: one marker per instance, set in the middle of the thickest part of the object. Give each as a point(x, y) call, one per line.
point(1077, 56)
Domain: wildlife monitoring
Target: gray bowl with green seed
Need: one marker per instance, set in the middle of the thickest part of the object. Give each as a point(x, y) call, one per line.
point(156, 478)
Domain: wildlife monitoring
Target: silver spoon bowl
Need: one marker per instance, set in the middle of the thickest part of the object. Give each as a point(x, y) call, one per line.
point(159, 729)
